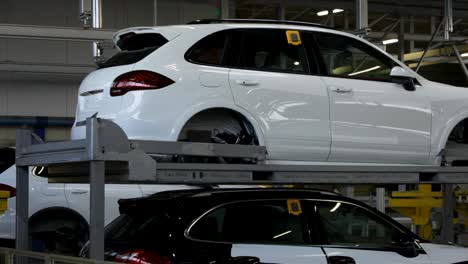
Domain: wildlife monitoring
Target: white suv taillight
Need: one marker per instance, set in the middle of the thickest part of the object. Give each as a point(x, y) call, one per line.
point(138, 80)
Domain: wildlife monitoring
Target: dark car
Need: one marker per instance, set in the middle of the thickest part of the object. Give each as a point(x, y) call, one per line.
point(257, 226)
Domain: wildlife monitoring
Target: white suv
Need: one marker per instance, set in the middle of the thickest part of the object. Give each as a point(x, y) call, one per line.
point(306, 92)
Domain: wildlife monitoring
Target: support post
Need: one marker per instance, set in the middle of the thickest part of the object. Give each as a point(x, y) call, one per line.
point(362, 14)
point(411, 30)
point(460, 60)
point(97, 189)
point(155, 12)
point(380, 199)
point(282, 10)
point(23, 139)
point(448, 205)
point(401, 40)
point(429, 44)
point(225, 9)
point(97, 23)
point(97, 208)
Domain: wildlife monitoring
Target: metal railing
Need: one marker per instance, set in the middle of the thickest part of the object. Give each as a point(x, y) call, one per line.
point(12, 256)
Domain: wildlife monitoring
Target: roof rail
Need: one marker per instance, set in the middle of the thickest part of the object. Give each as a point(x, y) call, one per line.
point(262, 21)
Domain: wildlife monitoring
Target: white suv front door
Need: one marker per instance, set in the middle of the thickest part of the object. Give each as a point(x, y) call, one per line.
point(274, 84)
point(372, 118)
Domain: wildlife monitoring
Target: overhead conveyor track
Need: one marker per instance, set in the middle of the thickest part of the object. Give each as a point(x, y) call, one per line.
point(108, 156)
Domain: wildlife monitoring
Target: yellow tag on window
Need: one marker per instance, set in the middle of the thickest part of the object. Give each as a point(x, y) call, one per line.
point(294, 207)
point(294, 38)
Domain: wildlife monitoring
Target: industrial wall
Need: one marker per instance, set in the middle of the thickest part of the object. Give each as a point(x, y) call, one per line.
point(41, 77)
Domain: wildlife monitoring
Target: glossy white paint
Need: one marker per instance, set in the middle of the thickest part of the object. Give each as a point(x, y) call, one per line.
point(280, 254)
point(292, 109)
point(378, 122)
point(375, 256)
point(444, 254)
point(297, 117)
point(74, 197)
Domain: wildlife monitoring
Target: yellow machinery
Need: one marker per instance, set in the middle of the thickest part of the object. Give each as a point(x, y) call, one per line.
point(418, 206)
point(4, 195)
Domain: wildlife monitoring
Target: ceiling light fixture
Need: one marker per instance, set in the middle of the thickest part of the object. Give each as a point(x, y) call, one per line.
point(337, 10)
point(322, 13)
point(465, 54)
point(389, 41)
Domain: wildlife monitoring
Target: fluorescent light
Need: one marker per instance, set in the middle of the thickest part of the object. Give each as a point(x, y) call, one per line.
point(322, 13)
point(337, 10)
point(363, 71)
point(335, 208)
point(465, 54)
point(282, 234)
point(389, 41)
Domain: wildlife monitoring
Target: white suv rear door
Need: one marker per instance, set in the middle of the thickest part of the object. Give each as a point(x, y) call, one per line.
point(273, 83)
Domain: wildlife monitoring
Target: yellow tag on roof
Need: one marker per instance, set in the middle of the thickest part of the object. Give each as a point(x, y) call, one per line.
point(294, 38)
point(294, 207)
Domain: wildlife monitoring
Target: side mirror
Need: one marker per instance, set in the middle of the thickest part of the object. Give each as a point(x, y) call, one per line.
point(403, 77)
point(406, 248)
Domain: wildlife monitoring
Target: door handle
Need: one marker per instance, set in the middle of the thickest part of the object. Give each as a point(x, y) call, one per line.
point(247, 82)
point(244, 260)
point(79, 191)
point(341, 89)
point(341, 260)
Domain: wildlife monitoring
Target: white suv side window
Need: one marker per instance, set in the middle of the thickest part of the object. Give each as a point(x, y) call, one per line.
point(269, 50)
point(350, 58)
point(349, 225)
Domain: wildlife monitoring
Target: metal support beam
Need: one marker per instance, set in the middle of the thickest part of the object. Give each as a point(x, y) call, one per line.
point(55, 33)
point(380, 199)
point(460, 60)
point(300, 14)
point(23, 139)
point(225, 9)
point(411, 30)
point(282, 10)
point(448, 206)
point(362, 14)
point(97, 23)
point(155, 12)
point(401, 40)
point(448, 19)
point(377, 20)
point(429, 44)
point(97, 208)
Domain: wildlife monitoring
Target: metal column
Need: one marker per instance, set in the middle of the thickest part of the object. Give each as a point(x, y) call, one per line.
point(97, 23)
point(380, 199)
point(97, 208)
point(362, 14)
point(282, 10)
point(225, 9)
point(23, 139)
point(97, 190)
point(401, 40)
point(155, 12)
point(448, 205)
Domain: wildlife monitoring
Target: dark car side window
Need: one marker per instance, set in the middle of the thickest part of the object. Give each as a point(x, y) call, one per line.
point(349, 225)
point(263, 222)
point(211, 50)
point(269, 50)
point(347, 57)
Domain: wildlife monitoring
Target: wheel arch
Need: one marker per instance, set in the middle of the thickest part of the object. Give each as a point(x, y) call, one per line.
point(448, 128)
point(258, 129)
point(51, 211)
